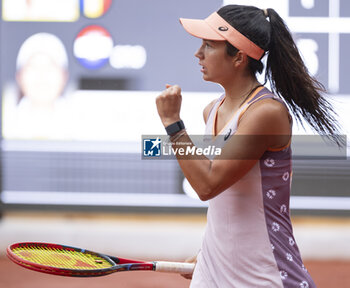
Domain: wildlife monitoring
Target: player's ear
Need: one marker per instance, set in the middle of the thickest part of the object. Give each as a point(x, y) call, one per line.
point(240, 58)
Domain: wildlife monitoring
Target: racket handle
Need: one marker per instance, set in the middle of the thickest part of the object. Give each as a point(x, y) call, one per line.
point(174, 267)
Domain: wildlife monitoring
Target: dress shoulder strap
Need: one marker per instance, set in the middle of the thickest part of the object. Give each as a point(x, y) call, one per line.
point(263, 94)
point(211, 114)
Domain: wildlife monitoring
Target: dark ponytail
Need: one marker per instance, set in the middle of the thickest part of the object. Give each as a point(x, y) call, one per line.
point(285, 68)
point(290, 79)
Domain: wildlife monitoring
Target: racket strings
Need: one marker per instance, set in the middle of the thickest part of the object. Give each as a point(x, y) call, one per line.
point(61, 258)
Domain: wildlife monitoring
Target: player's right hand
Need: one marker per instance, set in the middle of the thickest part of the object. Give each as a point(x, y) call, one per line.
point(192, 259)
point(169, 104)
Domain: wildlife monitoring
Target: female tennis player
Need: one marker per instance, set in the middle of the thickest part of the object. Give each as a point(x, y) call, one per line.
point(249, 239)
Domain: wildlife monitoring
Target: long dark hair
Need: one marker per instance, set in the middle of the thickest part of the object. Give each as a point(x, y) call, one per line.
point(285, 69)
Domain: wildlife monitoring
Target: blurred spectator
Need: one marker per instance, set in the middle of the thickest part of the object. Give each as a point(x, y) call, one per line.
point(38, 110)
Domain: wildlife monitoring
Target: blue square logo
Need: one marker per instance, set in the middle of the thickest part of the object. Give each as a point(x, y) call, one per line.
point(152, 147)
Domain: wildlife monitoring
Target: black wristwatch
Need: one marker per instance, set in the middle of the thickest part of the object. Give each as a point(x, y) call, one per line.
point(172, 129)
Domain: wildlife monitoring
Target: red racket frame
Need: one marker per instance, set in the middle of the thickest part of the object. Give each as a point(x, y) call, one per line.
point(119, 264)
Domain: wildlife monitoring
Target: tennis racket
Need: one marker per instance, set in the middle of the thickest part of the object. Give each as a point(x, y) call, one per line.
point(71, 261)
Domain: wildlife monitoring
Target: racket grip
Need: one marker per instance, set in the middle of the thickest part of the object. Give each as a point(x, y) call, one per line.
point(174, 267)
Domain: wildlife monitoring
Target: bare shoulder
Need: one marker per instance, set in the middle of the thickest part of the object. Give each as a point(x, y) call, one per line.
point(207, 109)
point(268, 116)
point(272, 107)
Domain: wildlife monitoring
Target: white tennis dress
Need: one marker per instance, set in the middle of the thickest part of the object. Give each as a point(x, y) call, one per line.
point(249, 242)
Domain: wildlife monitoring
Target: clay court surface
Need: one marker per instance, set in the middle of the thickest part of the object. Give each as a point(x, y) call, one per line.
point(324, 244)
point(327, 274)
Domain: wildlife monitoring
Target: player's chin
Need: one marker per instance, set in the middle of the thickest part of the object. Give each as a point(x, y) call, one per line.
point(206, 77)
point(209, 79)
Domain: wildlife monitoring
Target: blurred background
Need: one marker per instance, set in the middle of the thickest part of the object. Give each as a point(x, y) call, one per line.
point(78, 85)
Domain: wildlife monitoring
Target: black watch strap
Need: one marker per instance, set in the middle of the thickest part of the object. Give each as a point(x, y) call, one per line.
point(172, 129)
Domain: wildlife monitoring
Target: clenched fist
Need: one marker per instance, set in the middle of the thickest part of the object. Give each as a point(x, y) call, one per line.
point(169, 104)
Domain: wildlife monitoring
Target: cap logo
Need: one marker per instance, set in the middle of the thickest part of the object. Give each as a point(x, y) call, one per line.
point(223, 28)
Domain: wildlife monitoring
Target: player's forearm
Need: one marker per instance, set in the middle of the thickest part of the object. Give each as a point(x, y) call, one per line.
point(196, 168)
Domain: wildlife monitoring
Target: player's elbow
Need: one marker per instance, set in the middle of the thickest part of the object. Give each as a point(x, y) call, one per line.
point(209, 185)
point(204, 196)
point(207, 192)
point(213, 187)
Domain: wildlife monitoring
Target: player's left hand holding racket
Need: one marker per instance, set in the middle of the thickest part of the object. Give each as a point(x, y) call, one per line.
point(70, 261)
